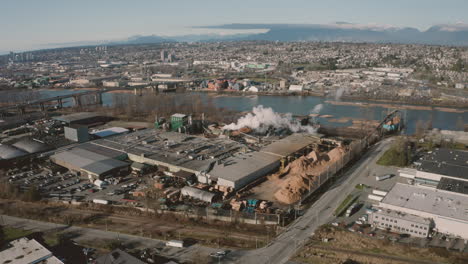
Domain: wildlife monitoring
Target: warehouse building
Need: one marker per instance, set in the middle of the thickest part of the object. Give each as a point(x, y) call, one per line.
point(401, 223)
point(26, 250)
point(295, 144)
point(31, 146)
point(82, 118)
point(444, 169)
point(241, 169)
point(198, 194)
point(92, 162)
point(221, 161)
point(108, 132)
point(212, 161)
point(173, 150)
point(8, 152)
point(77, 133)
point(21, 151)
point(447, 210)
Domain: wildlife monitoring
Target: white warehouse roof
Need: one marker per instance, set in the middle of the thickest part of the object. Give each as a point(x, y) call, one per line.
point(110, 132)
point(428, 200)
point(26, 251)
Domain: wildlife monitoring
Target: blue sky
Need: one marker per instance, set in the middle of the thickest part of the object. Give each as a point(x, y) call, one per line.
point(27, 24)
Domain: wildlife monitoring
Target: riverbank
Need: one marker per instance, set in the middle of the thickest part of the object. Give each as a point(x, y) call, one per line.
point(444, 106)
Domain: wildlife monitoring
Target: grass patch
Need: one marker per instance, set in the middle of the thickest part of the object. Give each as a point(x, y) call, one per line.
point(346, 202)
point(361, 186)
point(393, 157)
point(376, 251)
point(53, 239)
point(12, 233)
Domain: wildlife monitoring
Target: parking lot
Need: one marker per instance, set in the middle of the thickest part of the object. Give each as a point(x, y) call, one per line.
point(68, 186)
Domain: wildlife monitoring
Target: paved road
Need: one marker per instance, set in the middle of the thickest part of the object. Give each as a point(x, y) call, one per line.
point(280, 250)
point(285, 245)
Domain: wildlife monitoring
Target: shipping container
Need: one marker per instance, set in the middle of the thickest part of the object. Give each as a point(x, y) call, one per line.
point(375, 197)
point(175, 243)
point(378, 192)
point(383, 177)
point(100, 201)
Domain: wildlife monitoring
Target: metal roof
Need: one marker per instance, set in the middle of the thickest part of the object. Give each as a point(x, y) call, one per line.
point(118, 257)
point(177, 115)
point(447, 162)
point(78, 157)
point(103, 166)
point(428, 200)
point(197, 194)
point(108, 152)
point(453, 185)
point(242, 165)
point(31, 146)
point(110, 132)
point(190, 153)
point(23, 251)
point(76, 117)
point(290, 144)
point(9, 152)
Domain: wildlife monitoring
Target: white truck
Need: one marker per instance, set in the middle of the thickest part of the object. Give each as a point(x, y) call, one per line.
point(383, 177)
point(100, 183)
point(100, 201)
point(175, 243)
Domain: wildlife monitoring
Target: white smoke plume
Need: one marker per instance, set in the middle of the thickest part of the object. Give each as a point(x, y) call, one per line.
point(339, 93)
point(263, 118)
point(317, 109)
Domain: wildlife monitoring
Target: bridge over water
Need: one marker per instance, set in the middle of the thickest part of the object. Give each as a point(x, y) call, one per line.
point(44, 103)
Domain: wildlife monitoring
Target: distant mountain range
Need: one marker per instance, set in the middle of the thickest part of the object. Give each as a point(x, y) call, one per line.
point(448, 34)
point(445, 34)
point(183, 38)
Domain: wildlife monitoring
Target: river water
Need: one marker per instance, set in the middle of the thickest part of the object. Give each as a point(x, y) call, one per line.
point(303, 105)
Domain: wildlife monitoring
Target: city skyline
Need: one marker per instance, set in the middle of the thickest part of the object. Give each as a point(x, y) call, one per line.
point(34, 25)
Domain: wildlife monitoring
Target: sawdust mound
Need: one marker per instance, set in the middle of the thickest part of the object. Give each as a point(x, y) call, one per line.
point(302, 174)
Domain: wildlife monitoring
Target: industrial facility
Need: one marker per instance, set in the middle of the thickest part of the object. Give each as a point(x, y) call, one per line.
point(214, 161)
point(447, 210)
point(22, 148)
point(434, 197)
point(401, 222)
point(92, 161)
point(444, 169)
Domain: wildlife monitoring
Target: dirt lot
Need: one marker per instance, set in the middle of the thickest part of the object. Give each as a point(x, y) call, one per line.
point(347, 247)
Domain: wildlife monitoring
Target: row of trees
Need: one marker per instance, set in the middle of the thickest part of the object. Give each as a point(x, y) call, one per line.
point(150, 105)
point(10, 191)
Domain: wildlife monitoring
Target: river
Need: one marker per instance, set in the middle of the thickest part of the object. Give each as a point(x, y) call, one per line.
point(341, 114)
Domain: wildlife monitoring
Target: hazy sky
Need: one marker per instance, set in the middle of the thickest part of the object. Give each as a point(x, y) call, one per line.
point(27, 24)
